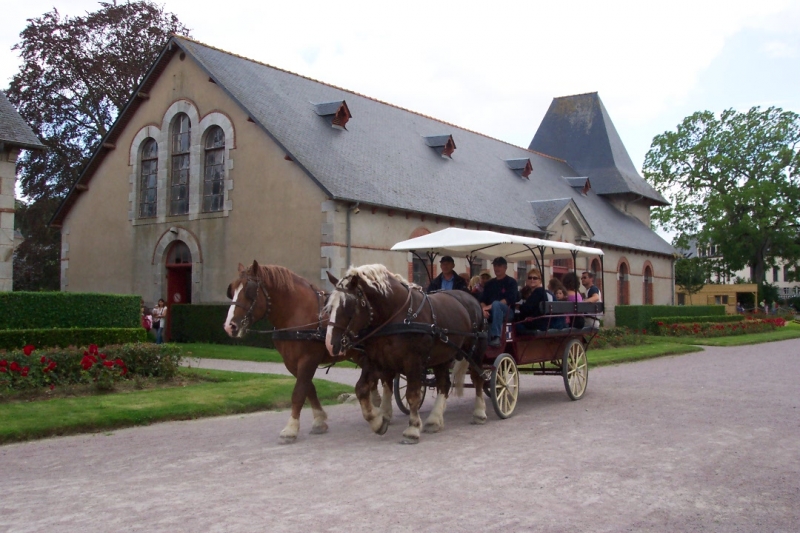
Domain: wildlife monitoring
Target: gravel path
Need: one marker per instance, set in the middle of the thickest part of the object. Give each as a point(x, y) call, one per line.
point(702, 442)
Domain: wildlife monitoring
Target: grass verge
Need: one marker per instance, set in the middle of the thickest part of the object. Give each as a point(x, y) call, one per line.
point(208, 393)
point(238, 353)
point(789, 331)
point(629, 354)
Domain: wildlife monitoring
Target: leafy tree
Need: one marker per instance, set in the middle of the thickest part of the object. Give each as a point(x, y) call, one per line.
point(732, 180)
point(691, 275)
point(77, 74)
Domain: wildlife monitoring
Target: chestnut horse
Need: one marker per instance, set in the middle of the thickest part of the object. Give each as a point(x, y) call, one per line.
point(295, 307)
point(403, 330)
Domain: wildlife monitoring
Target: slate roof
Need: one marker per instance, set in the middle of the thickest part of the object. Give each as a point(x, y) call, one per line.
point(383, 158)
point(547, 210)
point(13, 129)
point(578, 130)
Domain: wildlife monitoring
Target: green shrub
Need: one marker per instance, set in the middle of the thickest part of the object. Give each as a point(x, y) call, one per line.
point(39, 310)
point(32, 368)
point(615, 337)
point(14, 339)
point(654, 323)
point(204, 323)
point(638, 317)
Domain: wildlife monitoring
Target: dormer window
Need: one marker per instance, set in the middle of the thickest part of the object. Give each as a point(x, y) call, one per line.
point(522, 167)
point(580, 183)
point(336, 113)
point(443, 144)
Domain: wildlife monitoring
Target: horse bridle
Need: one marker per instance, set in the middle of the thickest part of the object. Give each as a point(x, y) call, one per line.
point(249, 314)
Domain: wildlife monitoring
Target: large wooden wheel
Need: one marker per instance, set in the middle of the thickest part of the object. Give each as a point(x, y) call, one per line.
point(400, 388)
point(575, 369)
point(504, 385)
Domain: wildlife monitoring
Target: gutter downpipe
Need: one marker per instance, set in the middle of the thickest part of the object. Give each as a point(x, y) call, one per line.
point(350, 208)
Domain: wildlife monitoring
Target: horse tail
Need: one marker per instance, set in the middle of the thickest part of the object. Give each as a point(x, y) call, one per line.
point(459, 374)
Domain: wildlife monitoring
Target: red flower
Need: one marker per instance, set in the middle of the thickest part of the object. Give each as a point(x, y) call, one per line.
point(52, 365)
point(3, 369)
point(119, 362)
point(28, 349)
point(660, 323)
point(87, 362)
point(15, 366)
point(124, 371)
point(52, 386)
point(109, 364)
point(102, 356)
point(3, 363)
point(93, 349)
point(24, 372)
point(43, 360)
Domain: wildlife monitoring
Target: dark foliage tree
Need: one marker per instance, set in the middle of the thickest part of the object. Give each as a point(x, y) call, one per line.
point(37, 264)
point(77, 74)
point(734, 181)
point(691, 275)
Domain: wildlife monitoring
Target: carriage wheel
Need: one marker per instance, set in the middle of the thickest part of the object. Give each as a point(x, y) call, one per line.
point(400, 386)
point(504, 386)
point(575, 369)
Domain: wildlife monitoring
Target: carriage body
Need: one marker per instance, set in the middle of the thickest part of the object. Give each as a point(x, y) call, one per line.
point(549, 352)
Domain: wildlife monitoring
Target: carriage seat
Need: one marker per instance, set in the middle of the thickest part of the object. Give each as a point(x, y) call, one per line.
point(571, 308)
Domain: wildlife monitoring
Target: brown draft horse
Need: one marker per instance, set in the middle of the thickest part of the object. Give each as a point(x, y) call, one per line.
point(293, 305)
point(403, 330)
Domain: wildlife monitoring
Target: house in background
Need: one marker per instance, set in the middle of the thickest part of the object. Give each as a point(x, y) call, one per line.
point(15, 136)
point(218, 159)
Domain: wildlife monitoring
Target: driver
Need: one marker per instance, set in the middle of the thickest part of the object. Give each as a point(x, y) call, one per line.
point(498, 298)
point(448, 280)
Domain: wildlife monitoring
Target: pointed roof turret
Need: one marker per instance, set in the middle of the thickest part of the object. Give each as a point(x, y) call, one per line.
point(578, 129)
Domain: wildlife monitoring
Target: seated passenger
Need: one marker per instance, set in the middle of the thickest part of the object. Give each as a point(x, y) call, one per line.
point(448, 280)
point(531, 306)
point(571, 284)
point(498, 299)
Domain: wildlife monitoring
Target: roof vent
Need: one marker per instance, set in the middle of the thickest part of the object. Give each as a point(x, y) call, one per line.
point(580, 183)
point(336, 113)
point(443, 144)
point(522, 167)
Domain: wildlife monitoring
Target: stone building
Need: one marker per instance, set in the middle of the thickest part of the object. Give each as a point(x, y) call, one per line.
point(15, 136)
point(218, 159)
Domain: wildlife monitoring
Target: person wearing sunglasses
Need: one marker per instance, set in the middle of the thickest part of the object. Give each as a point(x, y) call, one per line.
point(531, 306)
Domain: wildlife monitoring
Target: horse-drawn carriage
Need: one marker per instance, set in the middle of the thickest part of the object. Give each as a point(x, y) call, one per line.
point(549, 351)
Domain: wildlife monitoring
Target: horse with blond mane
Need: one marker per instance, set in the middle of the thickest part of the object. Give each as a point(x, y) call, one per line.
point(402, 330)
point(295, 307)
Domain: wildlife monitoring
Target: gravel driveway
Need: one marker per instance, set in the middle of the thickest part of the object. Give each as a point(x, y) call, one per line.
point(702, 442)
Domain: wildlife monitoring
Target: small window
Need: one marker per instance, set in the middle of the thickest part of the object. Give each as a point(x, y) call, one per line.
point(775, 274)
point(179, 176)
point(179, 254)
point(522, 272)
point(214, 171)
point(148, 179)
point(420, 271)
point(681, 298)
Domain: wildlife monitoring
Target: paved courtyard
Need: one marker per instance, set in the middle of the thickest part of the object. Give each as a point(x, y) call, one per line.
point(701, 442)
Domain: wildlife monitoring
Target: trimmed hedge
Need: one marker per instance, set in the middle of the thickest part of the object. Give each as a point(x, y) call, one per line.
point(40, 310)
point(15, 339)
point(638, 317)
point(204, 323)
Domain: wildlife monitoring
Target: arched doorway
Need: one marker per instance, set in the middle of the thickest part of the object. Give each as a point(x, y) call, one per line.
point(179, 278)
point(648, 285)
point(623, 285)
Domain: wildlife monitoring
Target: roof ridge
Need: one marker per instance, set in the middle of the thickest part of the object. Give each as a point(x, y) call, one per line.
point(363, 96)
point(574, 95)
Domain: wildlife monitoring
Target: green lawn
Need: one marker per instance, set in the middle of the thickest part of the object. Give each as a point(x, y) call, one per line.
point(790, 331)
point(628, 354)
point(221, 393)
point(238, 353)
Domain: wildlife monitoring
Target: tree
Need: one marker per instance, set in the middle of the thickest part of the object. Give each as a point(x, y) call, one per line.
point(733, 181)
point(691, 275)
point(76, 76)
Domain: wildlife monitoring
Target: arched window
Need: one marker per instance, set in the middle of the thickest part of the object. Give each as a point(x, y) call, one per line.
point(420, 271)
point(648, 285)
point(623, 285)
point(179, 175)
point(148, 182)
point(179, 254)
point(598, 274)
point(214, 171)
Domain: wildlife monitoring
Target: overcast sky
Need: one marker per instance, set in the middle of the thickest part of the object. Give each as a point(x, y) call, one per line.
point(494, 67)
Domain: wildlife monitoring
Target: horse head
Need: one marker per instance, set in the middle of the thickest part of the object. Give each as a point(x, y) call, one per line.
point(249, 300)
point(350, 312)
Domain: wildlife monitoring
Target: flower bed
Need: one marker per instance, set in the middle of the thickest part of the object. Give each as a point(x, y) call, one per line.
point(713, 329)
point(616, 337)
point(30, 368)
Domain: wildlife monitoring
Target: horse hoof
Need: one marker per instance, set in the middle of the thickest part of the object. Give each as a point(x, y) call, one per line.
point(478, 421)
point(410, 440)
point(431, 428)
point(288, 440)
point(320, 429)
point(384, 427)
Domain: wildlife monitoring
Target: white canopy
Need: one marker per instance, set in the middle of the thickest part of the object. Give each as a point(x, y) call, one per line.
point(458, 242)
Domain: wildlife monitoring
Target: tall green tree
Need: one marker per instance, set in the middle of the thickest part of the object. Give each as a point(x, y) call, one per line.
point(77, 74)
point(732, 180)
point(691, 275)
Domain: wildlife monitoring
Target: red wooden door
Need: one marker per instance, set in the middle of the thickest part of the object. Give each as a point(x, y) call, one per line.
point(179, 290)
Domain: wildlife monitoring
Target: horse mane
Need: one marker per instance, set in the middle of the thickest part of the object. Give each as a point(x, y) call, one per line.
point(375, 276)
point(276, 276)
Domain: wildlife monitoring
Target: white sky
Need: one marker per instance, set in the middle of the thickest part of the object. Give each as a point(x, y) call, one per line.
point(494, 67)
